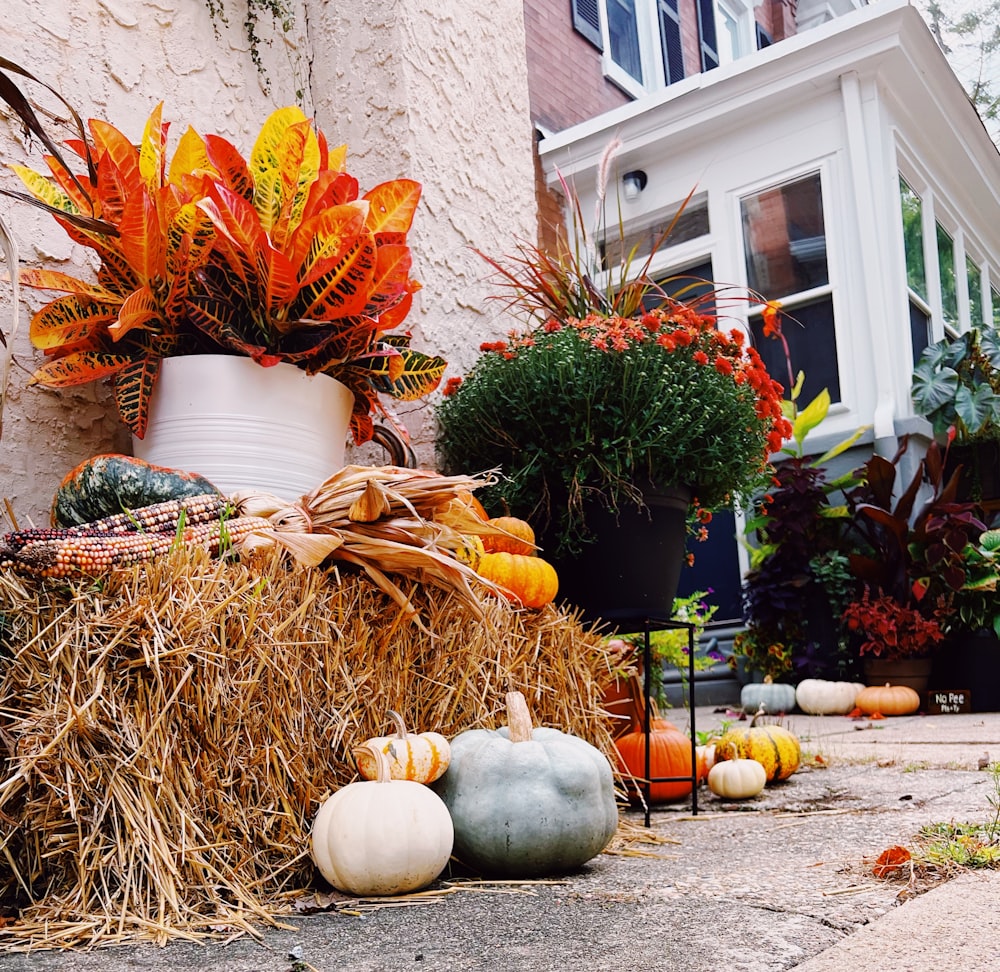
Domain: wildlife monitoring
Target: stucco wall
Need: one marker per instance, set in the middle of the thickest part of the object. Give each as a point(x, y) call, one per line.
point(402, 82)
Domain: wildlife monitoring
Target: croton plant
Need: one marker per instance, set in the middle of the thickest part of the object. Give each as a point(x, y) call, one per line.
point(277, 257)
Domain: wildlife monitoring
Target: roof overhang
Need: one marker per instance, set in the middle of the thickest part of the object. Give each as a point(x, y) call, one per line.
point(888, 42)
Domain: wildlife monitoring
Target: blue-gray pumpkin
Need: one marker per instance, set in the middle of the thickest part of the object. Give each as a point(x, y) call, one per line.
point(527, 802)
point(773, 696)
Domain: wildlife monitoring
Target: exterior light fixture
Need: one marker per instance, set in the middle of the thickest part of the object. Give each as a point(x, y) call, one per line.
point(634, 182)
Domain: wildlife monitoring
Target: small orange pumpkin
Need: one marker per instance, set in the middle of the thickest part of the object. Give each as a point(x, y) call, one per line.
point(669, 755)
point(530, 580)
point(888, 700)
point(466, 498)
point(517, 538)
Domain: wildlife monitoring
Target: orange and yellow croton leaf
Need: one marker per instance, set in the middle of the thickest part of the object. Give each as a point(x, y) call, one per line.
point(392, 206)
point(70, 319)
point(78, 368)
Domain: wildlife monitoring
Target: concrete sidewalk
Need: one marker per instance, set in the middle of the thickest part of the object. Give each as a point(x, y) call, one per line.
point(782, 882)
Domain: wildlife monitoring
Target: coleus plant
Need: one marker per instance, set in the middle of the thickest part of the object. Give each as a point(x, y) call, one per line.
point(277, 257)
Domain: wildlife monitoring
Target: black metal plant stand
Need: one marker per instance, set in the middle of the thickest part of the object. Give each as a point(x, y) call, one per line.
point(645, 787)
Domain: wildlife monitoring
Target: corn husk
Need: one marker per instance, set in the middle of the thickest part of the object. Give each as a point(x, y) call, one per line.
point(169, 733)
point(389, 521)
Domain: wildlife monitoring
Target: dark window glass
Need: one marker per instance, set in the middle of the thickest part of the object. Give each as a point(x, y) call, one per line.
point(623, 34)
point(919, 331)
point(949, 285)
point(913, 240)
point(812, 346)
point(975, 279)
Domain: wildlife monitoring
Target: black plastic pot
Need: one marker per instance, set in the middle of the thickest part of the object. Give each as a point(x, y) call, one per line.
point(630, 573)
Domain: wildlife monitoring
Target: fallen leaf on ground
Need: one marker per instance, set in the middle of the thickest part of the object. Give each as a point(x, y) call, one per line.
point(890, 861)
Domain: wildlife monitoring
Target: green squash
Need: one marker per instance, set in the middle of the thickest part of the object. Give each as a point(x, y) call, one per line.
point(527, 802)
point(110, 483)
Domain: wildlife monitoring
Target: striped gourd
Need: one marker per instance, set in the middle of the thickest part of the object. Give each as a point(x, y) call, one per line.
point(71, 553)
point(775, 748)
point(422, 757)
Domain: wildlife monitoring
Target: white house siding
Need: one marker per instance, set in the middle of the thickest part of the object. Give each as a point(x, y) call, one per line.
point(435, 92)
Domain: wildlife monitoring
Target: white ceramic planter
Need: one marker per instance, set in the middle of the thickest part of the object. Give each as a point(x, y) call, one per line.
point(242, 426)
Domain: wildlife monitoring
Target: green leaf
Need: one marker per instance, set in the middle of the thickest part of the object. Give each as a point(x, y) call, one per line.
point(840, 447)
point(975, 407)
point(811, 416)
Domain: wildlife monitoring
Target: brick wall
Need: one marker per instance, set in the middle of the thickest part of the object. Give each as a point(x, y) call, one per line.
point(565, 82)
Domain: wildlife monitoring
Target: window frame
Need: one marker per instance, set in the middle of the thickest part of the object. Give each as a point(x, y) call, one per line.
point(935, 212)
point(742, 13)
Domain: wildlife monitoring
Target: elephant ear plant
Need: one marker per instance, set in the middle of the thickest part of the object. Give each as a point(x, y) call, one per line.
point(956, 384)
point(278, 257)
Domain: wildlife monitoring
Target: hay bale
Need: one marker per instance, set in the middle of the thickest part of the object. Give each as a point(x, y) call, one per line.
point(170, 731)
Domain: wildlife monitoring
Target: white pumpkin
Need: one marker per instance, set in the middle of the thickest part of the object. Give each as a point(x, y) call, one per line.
point(737, 779)
point(773, 696)
point(817, 696)
point(382, 836)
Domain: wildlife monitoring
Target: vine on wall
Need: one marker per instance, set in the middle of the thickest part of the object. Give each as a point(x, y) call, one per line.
point(280, 12)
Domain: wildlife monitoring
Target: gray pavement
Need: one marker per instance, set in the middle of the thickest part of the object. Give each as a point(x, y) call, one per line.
point(781, 882)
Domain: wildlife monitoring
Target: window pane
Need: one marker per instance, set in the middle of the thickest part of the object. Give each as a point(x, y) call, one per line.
point(913, 240)
point(694, 285)
point(919, 331)
point(995, 296)
point(688, 224)
point(785, 239)
point(946, 268)
point(623, 34)
point(975, 277)
point(812, 346)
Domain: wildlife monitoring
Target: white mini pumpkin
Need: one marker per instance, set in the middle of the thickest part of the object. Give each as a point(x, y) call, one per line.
point(818, 696)
point(382, 836)
point(737, 779)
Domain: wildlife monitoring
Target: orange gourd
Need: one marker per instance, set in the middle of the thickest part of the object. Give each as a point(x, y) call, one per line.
point(530, 580)
point(467, 499)
point(518, 537)
point(669, 755)
point(888, 700)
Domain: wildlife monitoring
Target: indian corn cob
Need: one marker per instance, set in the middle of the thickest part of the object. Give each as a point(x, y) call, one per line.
point(72, 553)
point(156, 518)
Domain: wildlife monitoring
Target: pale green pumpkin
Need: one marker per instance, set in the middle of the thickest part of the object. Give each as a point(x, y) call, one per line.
point(773, 696)
point(527, 802)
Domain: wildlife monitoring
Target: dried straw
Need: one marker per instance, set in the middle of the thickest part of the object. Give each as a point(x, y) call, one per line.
point(171, 730)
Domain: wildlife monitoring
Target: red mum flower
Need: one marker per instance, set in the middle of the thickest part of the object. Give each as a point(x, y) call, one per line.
point(451, 386)
point(723, 365)
point(699, 357)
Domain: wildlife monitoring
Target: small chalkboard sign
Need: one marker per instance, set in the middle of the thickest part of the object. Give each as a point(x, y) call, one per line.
point(947, 701)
